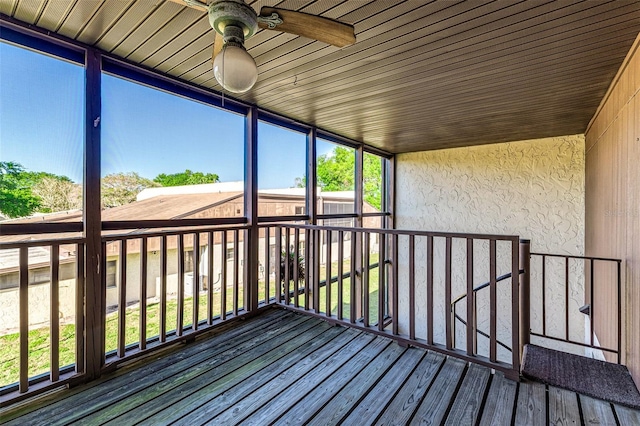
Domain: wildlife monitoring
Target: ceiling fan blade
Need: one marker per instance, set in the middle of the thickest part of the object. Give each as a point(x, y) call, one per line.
point(315, 27)
point(195, 4)
point(217, 44)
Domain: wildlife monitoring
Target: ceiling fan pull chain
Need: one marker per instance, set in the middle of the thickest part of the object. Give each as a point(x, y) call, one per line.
point(271, 21)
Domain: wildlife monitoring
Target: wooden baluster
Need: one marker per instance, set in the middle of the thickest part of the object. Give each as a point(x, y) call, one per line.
point(447, 293)
point(327, 286)
point(340, 273)
point(430, 290)
point(163, 288)
point(80, 294)
point(122, 299)
point(412, 287)
point(365, 278)
point(142, 335)
point(492, 301)
point(54, 319)
point(471, 314)
point(180, 313)
point(23, 288)
point(223, 278)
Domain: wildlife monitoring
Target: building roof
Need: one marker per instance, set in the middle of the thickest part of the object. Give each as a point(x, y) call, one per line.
point(205, 188)
point(170, 206)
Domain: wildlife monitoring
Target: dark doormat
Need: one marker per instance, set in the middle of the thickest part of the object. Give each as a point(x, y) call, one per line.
point(588, 376)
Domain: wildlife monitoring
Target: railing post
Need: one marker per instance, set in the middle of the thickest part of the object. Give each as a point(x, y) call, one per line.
point(525, 302)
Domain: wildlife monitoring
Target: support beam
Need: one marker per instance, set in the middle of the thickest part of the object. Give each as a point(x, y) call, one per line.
point(95, 293)
point(252, 237)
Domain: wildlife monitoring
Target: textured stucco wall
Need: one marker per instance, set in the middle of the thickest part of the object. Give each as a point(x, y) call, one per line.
point(533, 189)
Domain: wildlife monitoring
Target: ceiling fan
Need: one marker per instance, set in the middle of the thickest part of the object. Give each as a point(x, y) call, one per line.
point(234, 22)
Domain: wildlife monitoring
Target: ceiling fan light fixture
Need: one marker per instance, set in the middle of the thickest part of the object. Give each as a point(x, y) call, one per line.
point(237, 13)
point(233, 67)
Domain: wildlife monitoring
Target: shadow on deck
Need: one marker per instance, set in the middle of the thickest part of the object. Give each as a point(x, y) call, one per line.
point(287, 368)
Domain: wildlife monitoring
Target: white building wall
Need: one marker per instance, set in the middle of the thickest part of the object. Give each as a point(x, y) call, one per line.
point(533, 189)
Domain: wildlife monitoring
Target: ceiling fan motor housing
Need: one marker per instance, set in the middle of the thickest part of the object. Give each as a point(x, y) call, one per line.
point(233, 12)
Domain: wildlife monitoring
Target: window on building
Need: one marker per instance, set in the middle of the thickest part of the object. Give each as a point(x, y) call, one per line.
point(188, 260)
point(112, 273)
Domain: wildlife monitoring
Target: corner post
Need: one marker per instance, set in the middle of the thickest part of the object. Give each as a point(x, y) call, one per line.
point(525, 298)
point(95, 291)
point(312, 250)
point(252, 235)
point(359, 196)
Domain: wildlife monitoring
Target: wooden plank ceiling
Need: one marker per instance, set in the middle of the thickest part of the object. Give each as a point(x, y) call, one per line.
point(422, 75)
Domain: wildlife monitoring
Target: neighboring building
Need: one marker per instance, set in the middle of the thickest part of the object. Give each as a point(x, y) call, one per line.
point(182, 202)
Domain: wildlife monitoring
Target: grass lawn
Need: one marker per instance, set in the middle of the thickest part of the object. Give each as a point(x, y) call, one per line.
point(39, 338)
point(346, 291)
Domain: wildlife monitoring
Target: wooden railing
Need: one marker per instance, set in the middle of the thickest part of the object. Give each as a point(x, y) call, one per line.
point(171, 286)
point(163, 287)
point(579, 299)
point(158, 288)
point(35, 260)
point(406, 295)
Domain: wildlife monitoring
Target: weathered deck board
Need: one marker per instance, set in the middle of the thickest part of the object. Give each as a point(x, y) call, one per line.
point(288, 368)
point(627, 416)
point(596, 412)
point(377, 399)
point(347, 397)
point(498, 409)
point(531, 407)
point(563, 407)
point(466, 407)
point(179, 373)
point(78, 403)
point(435, 404)
point(316, 399)
point(212, 399)
point(244, 365)
point(410, 395)
point(274, 391)
point(347, 365)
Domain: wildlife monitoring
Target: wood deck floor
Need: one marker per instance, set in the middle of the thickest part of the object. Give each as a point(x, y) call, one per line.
point(286, 368)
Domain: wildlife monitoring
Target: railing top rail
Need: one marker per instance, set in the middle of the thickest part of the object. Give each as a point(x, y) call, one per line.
point(43, 242)
point(141, 233)
point(606, 259)
point(512, 238)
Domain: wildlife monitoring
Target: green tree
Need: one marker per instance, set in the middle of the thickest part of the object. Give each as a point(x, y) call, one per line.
point(372, 180)
point(336, 172)
point(16, 198)
point(186, 178)
point(122, 188)
point(57, 193)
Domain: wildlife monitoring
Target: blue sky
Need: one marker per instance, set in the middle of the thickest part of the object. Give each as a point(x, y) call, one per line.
point(143, 130)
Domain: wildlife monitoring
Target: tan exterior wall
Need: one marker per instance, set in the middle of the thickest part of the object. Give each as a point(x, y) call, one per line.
point(533, 189)
point(39, 301)
point(613, 202)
